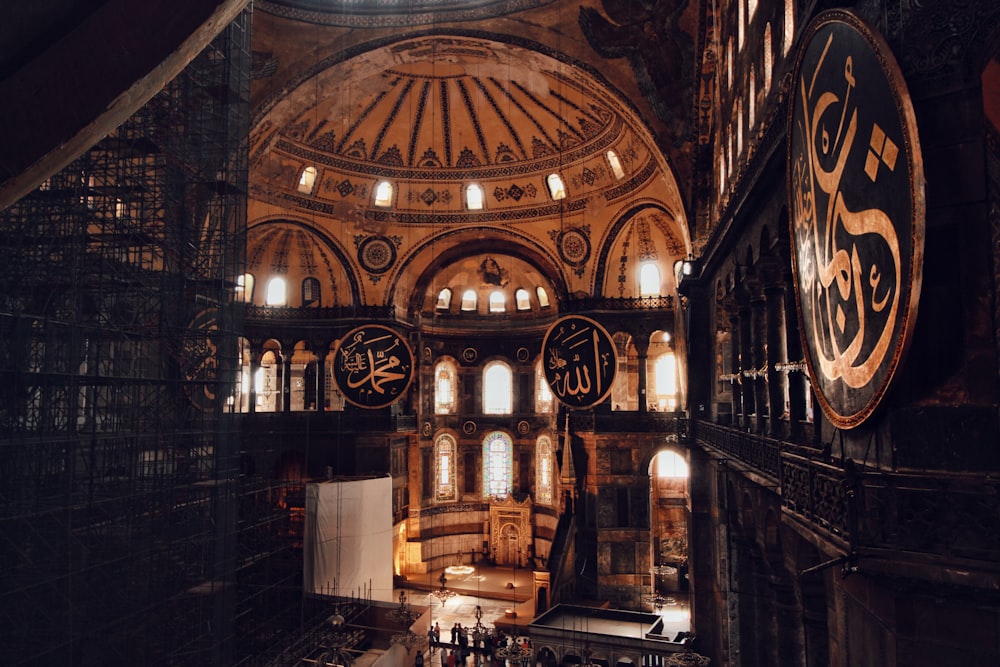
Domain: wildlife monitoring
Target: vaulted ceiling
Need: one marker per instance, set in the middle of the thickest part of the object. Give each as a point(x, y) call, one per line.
point(435, 96)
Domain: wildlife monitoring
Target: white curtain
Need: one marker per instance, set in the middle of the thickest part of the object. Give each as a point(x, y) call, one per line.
point(348, 538)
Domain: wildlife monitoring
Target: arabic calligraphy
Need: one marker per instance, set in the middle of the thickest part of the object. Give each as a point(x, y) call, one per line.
point(855, 229)
point(373, 367)
point(579, 361)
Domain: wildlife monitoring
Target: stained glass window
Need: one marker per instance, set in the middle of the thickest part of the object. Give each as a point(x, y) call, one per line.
point(498, 384)
point(544, 400)
point(445, 377)
point(445, 464)
point(543, 464)
point(497, 464)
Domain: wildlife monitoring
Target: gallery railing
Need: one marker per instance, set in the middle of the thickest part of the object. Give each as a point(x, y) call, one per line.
point(931, 513)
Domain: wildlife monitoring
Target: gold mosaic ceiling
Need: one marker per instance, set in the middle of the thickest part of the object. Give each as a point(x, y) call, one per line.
point(434, 114)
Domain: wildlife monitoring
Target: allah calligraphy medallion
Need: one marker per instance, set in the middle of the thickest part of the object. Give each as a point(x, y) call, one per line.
point(373, 367)
point(856, 196)
point(579, 360)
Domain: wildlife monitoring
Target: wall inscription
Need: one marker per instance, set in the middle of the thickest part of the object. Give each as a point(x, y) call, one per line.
point(579, 360)
point(373, 367)
point(857, 203)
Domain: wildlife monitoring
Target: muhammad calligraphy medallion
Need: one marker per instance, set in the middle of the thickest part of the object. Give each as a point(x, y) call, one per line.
point(856, 196)
point(373, 367)
point(579, 360)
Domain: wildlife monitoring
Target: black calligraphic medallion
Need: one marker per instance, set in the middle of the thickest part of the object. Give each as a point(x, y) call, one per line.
point(374, 366)
point(579, 360)
point(857, 203)
point(199, 358)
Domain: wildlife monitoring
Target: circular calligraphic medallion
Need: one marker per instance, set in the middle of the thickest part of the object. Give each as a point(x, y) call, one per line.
point(469, 355)
point(199, 358)
point(469, 427)
point(857, 203)
point(579, 360)
point(373, 366)
point(376, 254)
point(574, 247)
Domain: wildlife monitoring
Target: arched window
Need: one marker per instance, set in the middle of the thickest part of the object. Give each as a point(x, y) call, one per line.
point(474, 197)
point(557, 190)
point(310, 292)
point(670, 464)
point(244, 288)
point(445, 472)
point(665, 371)
point(267, 383)
point(307, 180)
point(444, 299)
point(383, 194)
point(752, 101)
point(741, 26)
point(522, 299)
point(788, 33)
point(543, 470)
point(616, 165)
point(445, 381)
point(277, 292)
point(498, 302)
point(469, 300)
point(543, 297)
point(544, 400)
point(765, 83)
point(497, 464)
point(739, 128)
point(649, 279)
point(729, 64)
point(498, 384)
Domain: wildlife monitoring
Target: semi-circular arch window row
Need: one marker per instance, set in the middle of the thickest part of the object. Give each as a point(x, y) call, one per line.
point(475, 195)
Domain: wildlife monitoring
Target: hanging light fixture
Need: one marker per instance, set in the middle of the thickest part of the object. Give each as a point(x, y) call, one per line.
point(443, 594)
point(402, 613)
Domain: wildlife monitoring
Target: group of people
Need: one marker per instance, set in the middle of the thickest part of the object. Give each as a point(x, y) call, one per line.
point(480, 645)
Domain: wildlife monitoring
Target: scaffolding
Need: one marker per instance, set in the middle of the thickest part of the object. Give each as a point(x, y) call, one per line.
point(121, 500)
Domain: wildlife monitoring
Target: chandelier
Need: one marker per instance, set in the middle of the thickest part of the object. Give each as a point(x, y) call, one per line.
point(338, 638)
point(659, 601)
point(443, 594)
point(479, 630)
point(402, 613)
point(513, 650)
point(409, 640)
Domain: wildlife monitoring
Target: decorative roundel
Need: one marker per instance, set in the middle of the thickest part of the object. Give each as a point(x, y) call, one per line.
point(426, 430)
point(373, 366)
point(198, 359)
point(857, 218)
point(580, 360)
point(574, 247)
point(469, 427)
point(523, 354)
point(376, 254)
point(523, 427)
point(469, 355)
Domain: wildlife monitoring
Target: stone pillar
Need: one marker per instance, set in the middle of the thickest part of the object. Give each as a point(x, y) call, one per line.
point(746, 364)
point(796, 379)
point(641, 342)
point(758, 326)
point(734, 364)
point(777, 382)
